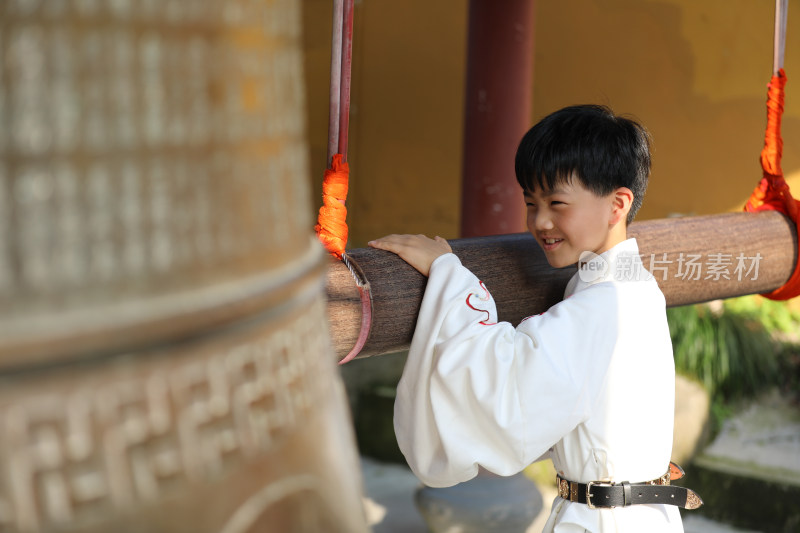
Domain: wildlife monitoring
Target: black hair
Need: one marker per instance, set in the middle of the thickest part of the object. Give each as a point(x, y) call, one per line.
point(602, 150)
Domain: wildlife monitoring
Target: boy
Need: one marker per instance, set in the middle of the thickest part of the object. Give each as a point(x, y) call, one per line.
point(590, 382)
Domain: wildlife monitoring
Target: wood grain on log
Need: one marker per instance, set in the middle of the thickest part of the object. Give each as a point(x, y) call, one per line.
point(694, 259)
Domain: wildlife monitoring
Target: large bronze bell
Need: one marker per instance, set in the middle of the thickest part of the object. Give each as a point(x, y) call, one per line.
point(164, 356)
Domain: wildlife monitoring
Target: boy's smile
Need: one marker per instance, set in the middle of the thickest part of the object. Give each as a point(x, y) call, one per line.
point(551, 244)
point(570, 219)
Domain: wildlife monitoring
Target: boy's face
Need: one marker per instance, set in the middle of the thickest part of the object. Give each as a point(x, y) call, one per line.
point(569, 220)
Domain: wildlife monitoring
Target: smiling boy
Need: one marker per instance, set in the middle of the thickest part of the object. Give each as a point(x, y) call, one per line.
point(590, 382)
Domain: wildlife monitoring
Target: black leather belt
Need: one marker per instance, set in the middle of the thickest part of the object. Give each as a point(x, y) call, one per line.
point(605, 495)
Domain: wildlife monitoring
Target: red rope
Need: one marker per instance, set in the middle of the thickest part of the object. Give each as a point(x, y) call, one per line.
point(336, 78)
point(772, 192)
point(347, 66)
point(331, 225)
point(366, 324)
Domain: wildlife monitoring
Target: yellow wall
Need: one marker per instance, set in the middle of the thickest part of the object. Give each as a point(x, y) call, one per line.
point(406, 117)
point(694, 73)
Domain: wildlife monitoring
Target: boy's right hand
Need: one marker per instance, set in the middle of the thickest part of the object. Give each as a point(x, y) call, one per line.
point(418, 251)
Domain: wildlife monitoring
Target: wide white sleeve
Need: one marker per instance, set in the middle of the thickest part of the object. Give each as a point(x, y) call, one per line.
point(475, 392)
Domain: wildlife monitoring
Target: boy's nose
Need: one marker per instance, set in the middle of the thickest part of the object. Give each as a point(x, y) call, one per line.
point(541, 221)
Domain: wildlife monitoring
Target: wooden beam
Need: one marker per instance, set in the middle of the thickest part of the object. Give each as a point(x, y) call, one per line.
point(694, 259)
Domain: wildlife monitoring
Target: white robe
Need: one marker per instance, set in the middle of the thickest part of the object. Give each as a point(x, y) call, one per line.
point(589, 383)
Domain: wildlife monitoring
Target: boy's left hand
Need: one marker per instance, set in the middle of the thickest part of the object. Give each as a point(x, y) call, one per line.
point(418, 251)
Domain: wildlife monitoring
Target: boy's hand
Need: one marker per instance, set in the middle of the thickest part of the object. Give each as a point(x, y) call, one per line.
point(418, 251)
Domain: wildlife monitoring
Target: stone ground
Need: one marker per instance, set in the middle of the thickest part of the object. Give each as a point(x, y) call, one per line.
point(389, 503)
point(762, 439)
point(750, 472)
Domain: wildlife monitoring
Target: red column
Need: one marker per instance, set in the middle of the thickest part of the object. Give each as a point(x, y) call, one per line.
point(497, 114)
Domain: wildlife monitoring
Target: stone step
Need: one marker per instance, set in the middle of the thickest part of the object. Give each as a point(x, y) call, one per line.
point(749, 476)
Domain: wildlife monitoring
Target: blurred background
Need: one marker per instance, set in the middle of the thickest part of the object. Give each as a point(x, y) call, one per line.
point(694, 73)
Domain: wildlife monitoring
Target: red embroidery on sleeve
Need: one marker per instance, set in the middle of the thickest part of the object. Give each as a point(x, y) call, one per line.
point(484, 322)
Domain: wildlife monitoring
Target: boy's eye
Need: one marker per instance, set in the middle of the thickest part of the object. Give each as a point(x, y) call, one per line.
point(556, 202)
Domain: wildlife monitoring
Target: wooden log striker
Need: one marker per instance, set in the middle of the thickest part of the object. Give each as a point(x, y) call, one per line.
point(694, 259)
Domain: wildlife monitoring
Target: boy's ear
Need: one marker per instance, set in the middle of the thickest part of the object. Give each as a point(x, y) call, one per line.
point(621, 205)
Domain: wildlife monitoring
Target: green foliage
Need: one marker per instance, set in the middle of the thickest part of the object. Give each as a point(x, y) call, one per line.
point(774, 316)
point(732, 347)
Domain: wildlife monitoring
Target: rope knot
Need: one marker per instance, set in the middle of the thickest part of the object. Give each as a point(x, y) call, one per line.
point(331, 225)
point(772, 192)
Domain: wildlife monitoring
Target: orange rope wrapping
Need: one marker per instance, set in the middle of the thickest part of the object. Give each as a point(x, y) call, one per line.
point(331, 225)
point(772, 192)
